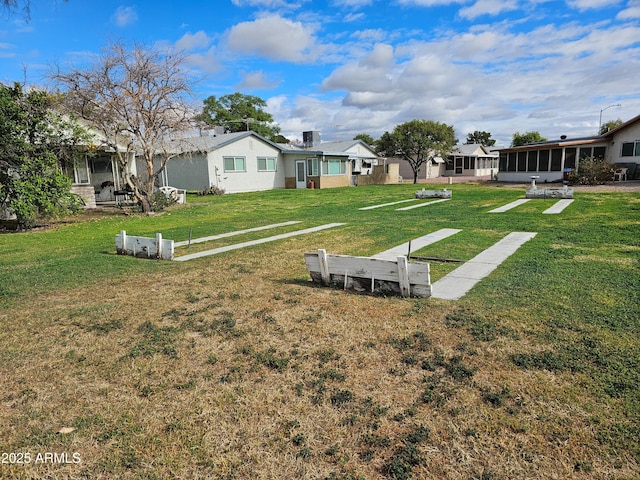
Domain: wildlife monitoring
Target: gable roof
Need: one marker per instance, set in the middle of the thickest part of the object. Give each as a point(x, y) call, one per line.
point(626, 124)
point(472, 149)
point(209, 143)
point(331, 148)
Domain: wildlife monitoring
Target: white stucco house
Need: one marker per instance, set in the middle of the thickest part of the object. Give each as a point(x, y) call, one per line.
point(551, 160)
point(247, 161)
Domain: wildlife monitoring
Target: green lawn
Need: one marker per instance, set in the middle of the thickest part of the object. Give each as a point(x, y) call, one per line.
point(236, 366)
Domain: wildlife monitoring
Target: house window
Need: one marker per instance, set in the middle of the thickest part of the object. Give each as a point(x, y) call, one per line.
point(532, 161)
point(522, 161)
point(336, 167)
point(570, 158)
point(503, 162)
point(556, 159)
point(631, 149)
point(544, 161)
point(101, 165)
point(599, 152)
point(312, 167)
point(234, 164)
point(511, 165)
point(266, 164)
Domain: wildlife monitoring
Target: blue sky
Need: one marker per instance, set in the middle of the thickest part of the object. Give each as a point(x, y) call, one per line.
point(364, 66)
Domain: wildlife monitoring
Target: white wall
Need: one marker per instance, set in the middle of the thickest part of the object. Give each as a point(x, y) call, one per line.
point(250, 180)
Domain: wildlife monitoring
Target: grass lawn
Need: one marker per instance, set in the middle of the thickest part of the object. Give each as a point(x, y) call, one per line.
point(236, 366)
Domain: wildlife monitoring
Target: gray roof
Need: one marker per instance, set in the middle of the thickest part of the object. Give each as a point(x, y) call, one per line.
point(208, 143)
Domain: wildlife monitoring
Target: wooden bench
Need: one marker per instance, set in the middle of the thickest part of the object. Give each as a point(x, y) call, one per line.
point(366, 274)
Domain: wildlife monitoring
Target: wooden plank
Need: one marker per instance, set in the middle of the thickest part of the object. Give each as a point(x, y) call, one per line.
point(403, 276)
point(371, 274)
point(324, 266)
point(144, 247)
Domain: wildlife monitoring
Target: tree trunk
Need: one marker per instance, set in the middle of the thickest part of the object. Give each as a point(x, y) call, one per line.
point(415, 177)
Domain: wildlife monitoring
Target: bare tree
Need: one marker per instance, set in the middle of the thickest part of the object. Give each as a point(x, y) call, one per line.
point(137, 99)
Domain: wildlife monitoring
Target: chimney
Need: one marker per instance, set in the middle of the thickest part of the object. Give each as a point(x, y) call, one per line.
point(311, 138)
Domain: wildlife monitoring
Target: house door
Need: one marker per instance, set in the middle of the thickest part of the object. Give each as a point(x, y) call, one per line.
point(301, 174)
point(458, 165)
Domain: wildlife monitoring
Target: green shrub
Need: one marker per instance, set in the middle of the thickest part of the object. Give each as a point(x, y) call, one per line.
point(592, 171)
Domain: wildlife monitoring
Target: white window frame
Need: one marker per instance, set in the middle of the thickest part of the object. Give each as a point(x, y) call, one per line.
point(342, 168)
point(313, 169)
point(266, 164)
point(235, 164)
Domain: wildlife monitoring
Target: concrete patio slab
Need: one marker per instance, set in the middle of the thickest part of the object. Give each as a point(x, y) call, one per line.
point(416, 244)
point(234, 233)
point(388, 204)
point(456, 284)
point(259, 241)
point(559, 206)
point(424, 204)
point(509, 206)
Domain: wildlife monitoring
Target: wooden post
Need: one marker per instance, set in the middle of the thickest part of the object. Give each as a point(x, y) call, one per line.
point(324, 266)
point(403, 274)
point(159, 245)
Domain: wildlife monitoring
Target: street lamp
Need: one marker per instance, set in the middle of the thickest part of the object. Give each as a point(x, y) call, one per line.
point(602, 110)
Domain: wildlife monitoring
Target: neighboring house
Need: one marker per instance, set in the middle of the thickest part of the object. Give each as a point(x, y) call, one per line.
point(247, 161)
point(472, 159)
point(465, 160)
point(551, 160)
point(96, 176)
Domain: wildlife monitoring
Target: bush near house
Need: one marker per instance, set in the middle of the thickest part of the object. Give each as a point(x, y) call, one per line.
point(592, 171)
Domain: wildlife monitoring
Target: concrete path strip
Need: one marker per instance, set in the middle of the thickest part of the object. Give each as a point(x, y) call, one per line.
point(509, 206)
point(456, 284)
point(231, 234)
point(559, 206)
point(388, 204)
point(417, 244)
point(259, 241)
point(424, 204)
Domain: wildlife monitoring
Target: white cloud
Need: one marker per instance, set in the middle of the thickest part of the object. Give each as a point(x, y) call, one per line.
point(124, 16)
point(266, 3)
point(583, 5)
point(631, 12)
point(193, 41)
point(256, 81)
point(273, 37)
point(488, 7)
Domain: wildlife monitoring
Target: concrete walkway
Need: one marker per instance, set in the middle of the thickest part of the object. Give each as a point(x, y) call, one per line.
point(259, 241)
point(456, 284)
point(424, 204)
point(417, 244)
point(388, 204)
point(559, 206)
point(509, 206)
point(234, 233)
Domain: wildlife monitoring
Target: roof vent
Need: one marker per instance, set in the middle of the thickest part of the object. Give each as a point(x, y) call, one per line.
point(563, 137)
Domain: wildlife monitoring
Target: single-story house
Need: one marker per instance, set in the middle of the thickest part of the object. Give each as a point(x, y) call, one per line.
point(465, 160)
point(472, 159)
point(96, 175)
point(551, 160)
point(247, 161)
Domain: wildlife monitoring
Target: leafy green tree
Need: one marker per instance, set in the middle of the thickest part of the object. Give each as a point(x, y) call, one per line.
point(238, 112)
point(366, 138)
point(520, 139)
point(35, 145)
point(610, 125)
point(418, 142)
point(482, 138)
